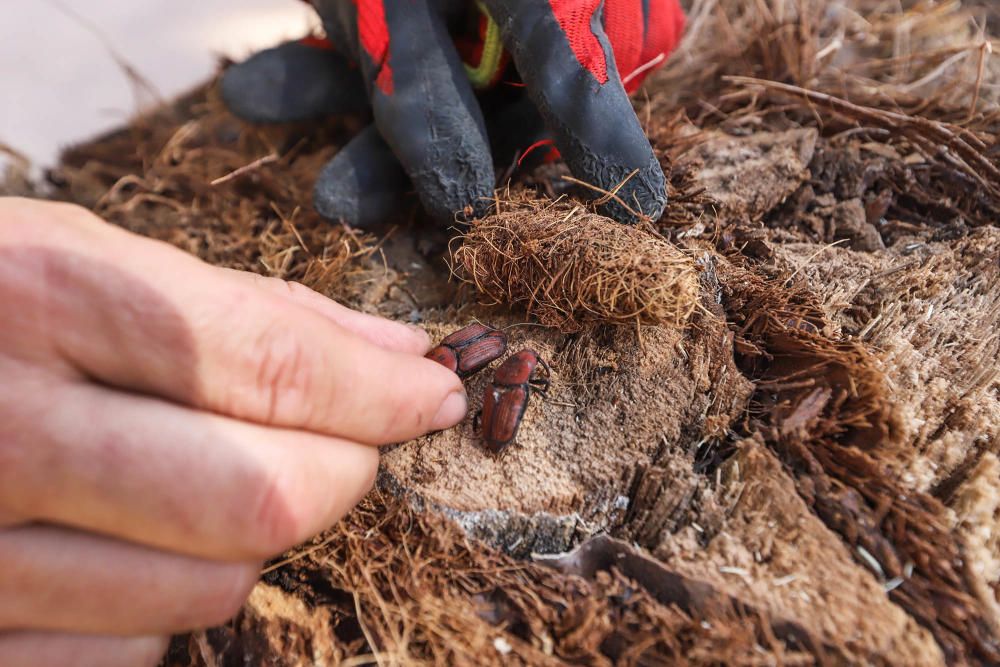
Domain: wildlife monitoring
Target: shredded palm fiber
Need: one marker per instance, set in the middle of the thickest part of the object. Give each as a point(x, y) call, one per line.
point(571, 268)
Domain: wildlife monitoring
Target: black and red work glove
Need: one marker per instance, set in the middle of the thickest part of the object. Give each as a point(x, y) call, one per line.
point(575, 58)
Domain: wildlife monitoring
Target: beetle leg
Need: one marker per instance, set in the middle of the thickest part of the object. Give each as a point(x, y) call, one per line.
point(541, 385)
point(476, 420)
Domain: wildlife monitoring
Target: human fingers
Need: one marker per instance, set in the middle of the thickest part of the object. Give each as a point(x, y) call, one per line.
point(363, 184)
point(167, 476)
point(143, 316)
point(294, 81)
point(642, 34)
point(62, 580)
point(44, 649)
point(424, 106)
point(387, 334)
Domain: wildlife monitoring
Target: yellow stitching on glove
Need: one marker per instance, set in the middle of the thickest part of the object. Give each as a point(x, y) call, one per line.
point(483, 75)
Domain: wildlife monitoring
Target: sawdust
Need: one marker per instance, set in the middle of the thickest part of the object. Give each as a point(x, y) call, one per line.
point(577, 446)
point(827, 416)
point(976, 504)
point(931, 312)
point(814, 380)
point(749, 176)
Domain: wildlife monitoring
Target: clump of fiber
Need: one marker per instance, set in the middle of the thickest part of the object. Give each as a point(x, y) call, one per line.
point(571, 268)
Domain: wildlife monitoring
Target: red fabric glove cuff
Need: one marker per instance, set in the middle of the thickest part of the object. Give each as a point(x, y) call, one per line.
point(642, 42)
point(642, 34)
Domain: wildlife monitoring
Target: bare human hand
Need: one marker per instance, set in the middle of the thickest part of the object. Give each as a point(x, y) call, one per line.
point(165, 426)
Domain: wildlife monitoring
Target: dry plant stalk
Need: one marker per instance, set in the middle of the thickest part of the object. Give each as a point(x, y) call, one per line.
point(571, 268)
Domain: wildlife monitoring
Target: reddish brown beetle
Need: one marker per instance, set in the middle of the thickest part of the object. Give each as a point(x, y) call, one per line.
point(469, 350)
point(506, 398)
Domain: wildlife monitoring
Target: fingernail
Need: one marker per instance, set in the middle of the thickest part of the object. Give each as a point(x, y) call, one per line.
point(452, 411)
point(419, 333)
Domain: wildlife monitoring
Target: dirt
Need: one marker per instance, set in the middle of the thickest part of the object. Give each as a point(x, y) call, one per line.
point(805, 471)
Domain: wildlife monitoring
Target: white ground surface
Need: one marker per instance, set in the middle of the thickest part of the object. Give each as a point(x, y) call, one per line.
point(59, 82)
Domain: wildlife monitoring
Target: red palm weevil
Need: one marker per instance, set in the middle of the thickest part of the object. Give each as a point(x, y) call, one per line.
point(469, 350)
point(506, 398)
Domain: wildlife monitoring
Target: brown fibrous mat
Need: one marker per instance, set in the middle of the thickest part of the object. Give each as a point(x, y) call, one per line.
point(835, 185)
point(379, 574)
point(569, 267)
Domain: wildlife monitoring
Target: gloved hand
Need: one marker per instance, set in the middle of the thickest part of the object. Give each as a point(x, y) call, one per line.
point(429, 126)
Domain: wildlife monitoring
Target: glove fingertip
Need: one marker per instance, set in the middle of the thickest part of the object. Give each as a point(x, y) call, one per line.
point(292, 82)
point(643, 195)
point(363, 185)
point(455, 195)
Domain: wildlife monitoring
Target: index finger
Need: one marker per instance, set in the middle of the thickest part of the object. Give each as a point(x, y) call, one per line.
point(143, 316)
point(387, 334)
point(568, 67)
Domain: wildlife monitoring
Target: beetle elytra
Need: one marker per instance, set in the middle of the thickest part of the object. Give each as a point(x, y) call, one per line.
point(469, 350)
point(506, 398)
